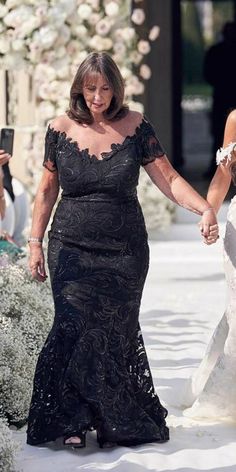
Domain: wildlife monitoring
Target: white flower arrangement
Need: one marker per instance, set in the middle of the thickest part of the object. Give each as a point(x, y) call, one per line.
point(8, 448)
point(51, 38)
point(158, 210)
point(26, 315)
point(57, 35)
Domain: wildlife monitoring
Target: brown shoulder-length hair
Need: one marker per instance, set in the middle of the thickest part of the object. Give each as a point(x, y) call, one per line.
point(97, 63)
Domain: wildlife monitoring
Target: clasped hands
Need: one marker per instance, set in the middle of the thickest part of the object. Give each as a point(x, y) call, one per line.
point(209, 227)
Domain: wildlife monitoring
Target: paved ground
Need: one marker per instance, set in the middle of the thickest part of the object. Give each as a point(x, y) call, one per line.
point(183, 299)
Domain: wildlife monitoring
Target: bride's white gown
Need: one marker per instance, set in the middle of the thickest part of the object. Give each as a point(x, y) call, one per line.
point(211, 392)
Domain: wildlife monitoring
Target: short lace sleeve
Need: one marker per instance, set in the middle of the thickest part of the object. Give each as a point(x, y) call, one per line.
point(49, 160)
point(150, 147)
point(225, 153)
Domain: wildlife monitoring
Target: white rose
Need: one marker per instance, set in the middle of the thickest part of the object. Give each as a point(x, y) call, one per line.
point(18, 45)
point(135, 57)
point(42, 11)
point(69, 6)
point(16, 17)
point(107, 44)
point(44, 72)
point(100, 44)
point(84, 11)
point(46, 109)
point(26, 28)
point(125, 72)
point(154, 33)
point(144, 46)
point(134, 86)
point(4, 46)
point(80, 58)
point(119, 47)
point(14, 61)
point(125, 34)
point(56, 16)
point(43, 91)
point(13, 3)
point(3, 11)
point(136, 106)
point(80, 31)
point(72, 47)
point(138, 16)
point(112, 9)
point(94, 18)
point(95, 4)
point(48, 57)
point(145, 71)
point(35, 55)
point(103, 27)
point(61, 67)
point(64, 35)
point(46, 37)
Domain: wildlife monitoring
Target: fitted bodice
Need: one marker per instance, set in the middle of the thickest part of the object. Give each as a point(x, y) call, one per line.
point(116, 174)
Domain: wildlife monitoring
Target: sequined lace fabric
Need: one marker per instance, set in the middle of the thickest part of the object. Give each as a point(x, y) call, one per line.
point(211, 392)
point(93, 371)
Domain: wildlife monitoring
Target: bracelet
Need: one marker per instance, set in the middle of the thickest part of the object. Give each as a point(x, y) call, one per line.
point(208, 209)
point(35, 240)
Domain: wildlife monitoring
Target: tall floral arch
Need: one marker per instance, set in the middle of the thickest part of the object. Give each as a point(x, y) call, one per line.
point(49, 39)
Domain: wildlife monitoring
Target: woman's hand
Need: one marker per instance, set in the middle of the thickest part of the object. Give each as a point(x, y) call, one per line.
point(209, 227)
point(37, 263)
point(2, 206)
point(4, 157)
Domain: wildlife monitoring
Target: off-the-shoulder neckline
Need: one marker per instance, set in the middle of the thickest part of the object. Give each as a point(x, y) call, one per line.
point(114, 147)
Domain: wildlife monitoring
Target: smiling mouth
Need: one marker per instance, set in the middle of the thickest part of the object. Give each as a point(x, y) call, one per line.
point(98, 104)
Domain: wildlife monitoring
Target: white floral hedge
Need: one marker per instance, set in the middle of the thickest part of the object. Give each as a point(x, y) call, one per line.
point(158, 210)
point(8, 448)
point(26, 314)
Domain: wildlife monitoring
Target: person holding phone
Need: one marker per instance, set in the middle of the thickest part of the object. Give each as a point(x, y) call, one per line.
point(4, 159)
point(6, 150)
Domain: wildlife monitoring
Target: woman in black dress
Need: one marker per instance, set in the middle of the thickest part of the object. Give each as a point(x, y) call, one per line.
point(93, 371)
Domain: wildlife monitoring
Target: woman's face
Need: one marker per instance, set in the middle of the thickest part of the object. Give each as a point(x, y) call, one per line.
point(97, 94)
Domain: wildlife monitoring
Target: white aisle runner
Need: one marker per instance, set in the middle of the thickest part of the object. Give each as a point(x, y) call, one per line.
point(183, 300)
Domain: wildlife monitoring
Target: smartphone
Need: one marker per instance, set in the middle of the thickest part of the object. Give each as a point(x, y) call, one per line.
point(7, 140)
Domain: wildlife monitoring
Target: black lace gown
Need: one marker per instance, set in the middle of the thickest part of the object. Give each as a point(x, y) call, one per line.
point(93, 371)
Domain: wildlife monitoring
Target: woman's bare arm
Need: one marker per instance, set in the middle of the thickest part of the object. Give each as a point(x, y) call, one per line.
point(220, 183)
point(44, 202)
point(177, 189)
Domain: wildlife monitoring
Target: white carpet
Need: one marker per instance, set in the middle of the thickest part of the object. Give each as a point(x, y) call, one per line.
point(183, 299)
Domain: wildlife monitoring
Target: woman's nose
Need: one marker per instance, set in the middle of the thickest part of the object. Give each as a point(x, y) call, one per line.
point(97, 94)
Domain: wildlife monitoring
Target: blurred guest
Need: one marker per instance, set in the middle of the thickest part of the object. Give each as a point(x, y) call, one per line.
point(221, 75)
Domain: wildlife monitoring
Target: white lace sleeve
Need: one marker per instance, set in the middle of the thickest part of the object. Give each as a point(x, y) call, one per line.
point(225, 152)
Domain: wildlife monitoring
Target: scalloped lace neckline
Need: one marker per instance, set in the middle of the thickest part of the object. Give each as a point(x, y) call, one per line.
point(114, 147)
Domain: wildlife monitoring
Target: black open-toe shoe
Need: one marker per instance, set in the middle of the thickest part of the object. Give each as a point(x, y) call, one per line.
point(73, 444)
point(104, 442)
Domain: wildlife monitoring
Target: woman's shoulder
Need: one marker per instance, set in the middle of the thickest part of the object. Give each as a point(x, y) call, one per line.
point(134, 117)
point(60, 123)
point(232, 117)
